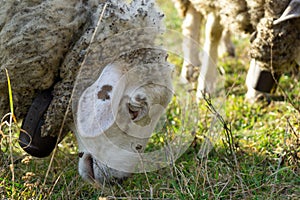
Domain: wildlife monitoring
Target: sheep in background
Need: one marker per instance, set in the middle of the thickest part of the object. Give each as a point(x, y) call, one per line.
point(120, 91)
point(191, 30)
point(275, 42)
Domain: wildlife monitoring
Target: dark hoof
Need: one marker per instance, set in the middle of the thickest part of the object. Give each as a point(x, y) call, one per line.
point(264, 81)
point(30, 137)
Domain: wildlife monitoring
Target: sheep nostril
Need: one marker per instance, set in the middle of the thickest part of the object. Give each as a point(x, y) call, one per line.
point(80, 154)
point(139, 147)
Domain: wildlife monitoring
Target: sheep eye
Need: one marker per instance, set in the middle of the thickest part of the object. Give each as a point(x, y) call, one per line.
point(80, 154)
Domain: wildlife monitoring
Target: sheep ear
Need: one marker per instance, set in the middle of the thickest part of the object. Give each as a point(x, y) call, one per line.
point(97, 103)
point(292, 11)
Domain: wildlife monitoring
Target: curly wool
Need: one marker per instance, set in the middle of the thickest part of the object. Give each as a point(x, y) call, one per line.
point(35, 36)
point(276, 46)
point(45, 42)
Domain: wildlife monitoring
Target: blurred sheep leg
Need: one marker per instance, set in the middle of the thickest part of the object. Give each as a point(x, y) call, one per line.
point(209, 73)
point(226, 46)
point(190, 45)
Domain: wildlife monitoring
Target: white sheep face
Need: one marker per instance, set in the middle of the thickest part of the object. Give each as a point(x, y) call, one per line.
point(116, 116)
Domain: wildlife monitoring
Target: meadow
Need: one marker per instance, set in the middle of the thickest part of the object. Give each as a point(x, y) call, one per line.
point(253, 151)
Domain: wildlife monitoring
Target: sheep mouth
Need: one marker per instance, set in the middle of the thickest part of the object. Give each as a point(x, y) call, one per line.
point(30, 138)
point(97, 173)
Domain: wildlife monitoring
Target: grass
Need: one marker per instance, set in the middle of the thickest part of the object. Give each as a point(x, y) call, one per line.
point(256, 154)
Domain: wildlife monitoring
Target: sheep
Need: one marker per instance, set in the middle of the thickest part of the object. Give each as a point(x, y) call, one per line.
point(191, 35)
point(92, 67)
point(274, 26)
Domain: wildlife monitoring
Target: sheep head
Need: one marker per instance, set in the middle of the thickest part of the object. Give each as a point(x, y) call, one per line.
point(117, 114)
point(292, 11)
point(123, 87)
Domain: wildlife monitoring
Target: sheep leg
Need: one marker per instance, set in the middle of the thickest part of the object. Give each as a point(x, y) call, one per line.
point(190, 45)
point(226, 46)
point(208, 74)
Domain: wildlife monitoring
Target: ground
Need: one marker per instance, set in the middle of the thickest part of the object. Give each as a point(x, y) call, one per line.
point(255, 154)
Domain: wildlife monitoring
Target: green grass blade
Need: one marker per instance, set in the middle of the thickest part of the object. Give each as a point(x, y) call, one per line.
point(11, 103)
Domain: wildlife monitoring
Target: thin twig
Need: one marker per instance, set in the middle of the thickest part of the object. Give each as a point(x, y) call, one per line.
point(229, 139)
point(11, 166)
point(279, 162)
